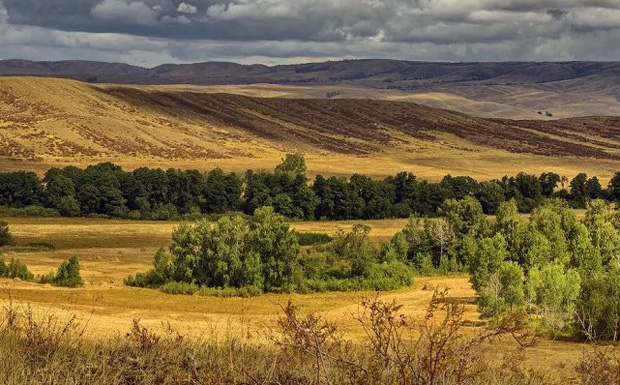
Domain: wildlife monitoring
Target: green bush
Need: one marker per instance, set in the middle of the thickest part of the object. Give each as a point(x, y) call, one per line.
point(15, 269)
point(179, 288)
point(311, 239)
point(244, 292)
point(134, 215)
point(28, 211)
point(67, 275)
point(165, 212)
point(5, 234)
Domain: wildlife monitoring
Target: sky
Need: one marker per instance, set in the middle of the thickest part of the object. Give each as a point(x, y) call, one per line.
point(153, 32)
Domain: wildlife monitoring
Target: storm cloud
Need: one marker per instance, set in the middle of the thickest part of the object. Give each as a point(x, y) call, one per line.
point(151, 32)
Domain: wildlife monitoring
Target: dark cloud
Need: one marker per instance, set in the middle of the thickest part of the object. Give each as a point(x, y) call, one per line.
point(149, 32)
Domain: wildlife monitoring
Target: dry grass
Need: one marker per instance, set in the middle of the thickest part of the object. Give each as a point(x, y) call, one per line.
point(41, 129)
point(109, 250)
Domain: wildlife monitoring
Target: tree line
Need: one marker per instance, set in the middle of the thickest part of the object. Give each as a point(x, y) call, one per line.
point(106, 190)
point(551, 269)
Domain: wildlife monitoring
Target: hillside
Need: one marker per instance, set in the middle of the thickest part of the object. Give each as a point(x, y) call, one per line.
point(52, 121)
point(497, 90)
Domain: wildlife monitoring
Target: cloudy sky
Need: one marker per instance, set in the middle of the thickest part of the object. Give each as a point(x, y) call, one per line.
point(152, 32)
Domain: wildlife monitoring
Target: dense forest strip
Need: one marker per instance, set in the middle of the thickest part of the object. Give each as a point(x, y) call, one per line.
point(106, 190)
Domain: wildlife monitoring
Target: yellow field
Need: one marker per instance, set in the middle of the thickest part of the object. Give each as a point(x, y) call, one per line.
point(109, 250)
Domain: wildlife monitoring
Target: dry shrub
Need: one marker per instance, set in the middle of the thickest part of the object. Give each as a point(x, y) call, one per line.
point(600, 366)
point(306, 349)
point(397, 349)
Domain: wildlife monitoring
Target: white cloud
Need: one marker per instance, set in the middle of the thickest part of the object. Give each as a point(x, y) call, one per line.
point(256, 10)
point(176, 20)
point(133, 12)
point(187, 8)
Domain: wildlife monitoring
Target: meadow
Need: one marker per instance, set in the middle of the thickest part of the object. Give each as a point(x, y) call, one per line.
point(109, 250)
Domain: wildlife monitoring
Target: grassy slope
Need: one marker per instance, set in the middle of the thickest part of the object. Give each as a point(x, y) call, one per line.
point(46, 122)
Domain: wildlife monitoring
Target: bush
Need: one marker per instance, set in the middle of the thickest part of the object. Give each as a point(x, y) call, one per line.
point(28, 211)
point(179, 288)
point(134, 215)
point(15, 269)
point(5, 234)
point(162, 272)
point(244, 292)
point(311, 239)
point(165, 212)
point(68, 207)
point(68, 274)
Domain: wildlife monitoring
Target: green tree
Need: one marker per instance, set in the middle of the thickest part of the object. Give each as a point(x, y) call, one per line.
point(396, 249)
point(68, 206)
point(555, 291)
point(17, 269)
point(68, 274)
point(578, 190)
point(614, 187)
point(224, 258)
point(490, 195)
point(5, 234)
point(486, 260)
point(585, 258)
point(292, 163)
point(549, 221)
point(273, 241)
point(503, 291)
point(465, 216)
point(549, 182)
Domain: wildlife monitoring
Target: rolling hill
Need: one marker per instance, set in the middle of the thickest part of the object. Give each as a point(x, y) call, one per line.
point(374, 73)
point(47, 122)
point(497, 90)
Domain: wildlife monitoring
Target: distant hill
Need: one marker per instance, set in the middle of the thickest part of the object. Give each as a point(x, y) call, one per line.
point(376, 73)
point(497, 90)
point(53, 121)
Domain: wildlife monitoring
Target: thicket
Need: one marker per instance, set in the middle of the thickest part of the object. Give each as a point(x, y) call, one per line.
point(559, 272)
point(106, 190)
point(262, 254)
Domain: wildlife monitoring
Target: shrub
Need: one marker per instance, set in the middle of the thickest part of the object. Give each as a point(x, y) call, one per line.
point(17, 269)
point(134, 215)
point(4, 270)
point(244, 292)
point(165, 212)
point(5, 234)
point(68, 274)
point(179, 288)
point(28, 211)
point(311, 239)
point(68, 207)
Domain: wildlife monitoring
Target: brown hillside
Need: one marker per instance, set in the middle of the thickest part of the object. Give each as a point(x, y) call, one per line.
point(50, 121)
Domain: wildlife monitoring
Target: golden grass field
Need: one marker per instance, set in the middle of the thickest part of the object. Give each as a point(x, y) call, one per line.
point(55, 122)
point(109, 250)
